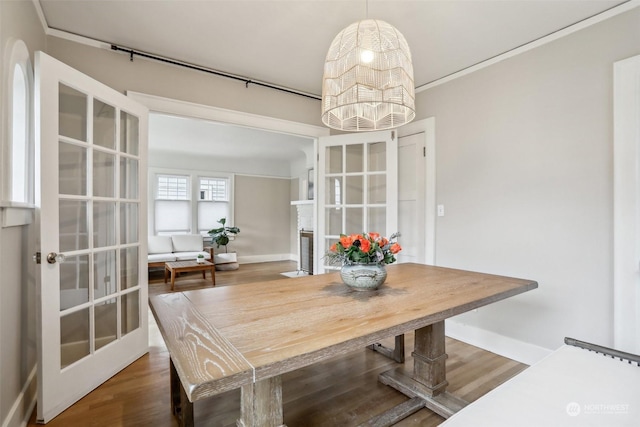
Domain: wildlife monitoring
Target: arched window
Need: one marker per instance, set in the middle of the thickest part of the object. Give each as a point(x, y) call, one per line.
point(19, 171)
point(19, 137)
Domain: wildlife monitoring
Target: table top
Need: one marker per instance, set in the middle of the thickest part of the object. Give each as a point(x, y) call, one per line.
point(188, 264)
point(222, 338)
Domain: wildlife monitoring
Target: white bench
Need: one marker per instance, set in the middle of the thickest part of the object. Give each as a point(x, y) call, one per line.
point(571, 387)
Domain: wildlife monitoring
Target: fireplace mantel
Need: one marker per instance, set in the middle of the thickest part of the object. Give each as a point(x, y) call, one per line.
point(305, 214)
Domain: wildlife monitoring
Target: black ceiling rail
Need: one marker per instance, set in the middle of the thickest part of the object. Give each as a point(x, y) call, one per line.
point(246, 81)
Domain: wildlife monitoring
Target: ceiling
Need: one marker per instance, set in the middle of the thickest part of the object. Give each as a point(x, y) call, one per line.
point(284, 42)
point(172, 133)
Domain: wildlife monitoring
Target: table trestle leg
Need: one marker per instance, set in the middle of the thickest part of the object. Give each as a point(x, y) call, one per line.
point(181, 407)
point(396, 353)
point(261, 404)
point(428, 381)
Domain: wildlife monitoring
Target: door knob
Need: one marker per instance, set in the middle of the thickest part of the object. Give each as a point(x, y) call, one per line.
point(53, 257)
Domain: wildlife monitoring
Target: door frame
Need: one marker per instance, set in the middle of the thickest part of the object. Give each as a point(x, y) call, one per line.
point(626, 205)
point(158, 104)
point(428, 127)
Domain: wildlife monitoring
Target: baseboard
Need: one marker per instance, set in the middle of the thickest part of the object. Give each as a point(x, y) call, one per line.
point(252, 259)
point(511, 348)
point(24, 405)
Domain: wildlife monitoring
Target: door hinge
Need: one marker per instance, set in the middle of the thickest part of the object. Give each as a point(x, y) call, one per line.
point(424, 151)
point(37, 258)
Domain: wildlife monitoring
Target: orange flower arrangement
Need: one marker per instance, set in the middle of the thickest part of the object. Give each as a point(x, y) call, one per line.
point(366, 248)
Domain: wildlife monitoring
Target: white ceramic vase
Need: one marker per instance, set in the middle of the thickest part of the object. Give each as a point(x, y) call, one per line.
point(363, 277)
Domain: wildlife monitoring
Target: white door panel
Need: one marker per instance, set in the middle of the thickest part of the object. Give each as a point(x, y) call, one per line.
point(92, 295)
point(411, 197)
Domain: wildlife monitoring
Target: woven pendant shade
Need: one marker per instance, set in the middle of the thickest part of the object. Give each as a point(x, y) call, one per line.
point(368, 79)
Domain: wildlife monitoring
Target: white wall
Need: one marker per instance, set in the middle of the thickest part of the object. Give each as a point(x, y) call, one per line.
point(524, 169)
point(263, 213)
point(17, 243)
point(155, 78)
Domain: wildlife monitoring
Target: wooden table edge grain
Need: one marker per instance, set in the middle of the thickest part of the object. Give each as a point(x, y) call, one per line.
point(189, 339)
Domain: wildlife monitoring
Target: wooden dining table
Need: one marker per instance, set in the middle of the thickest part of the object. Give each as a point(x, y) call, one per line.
point(246, 336)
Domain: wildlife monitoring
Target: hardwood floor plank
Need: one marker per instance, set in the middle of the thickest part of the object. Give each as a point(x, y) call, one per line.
point(343, 391)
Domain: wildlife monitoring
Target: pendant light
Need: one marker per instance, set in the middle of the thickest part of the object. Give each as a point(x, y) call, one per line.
point(368, 79)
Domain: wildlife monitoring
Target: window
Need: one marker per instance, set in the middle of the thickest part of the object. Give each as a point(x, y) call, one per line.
point(189, 203)
point(19, 141)
point(213, 202)
point(19, 173)
point(215, 189)
point(172, 214)
point(172, 187)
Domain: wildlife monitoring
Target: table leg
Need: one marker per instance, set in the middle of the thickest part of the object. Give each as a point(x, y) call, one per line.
point(166, 269)
point(174, 272)
point(181, 407)
point(428, 381)
point(175, 389)
point(213, 275)
point(396, 353)
point(429, 358)
point(261, 404)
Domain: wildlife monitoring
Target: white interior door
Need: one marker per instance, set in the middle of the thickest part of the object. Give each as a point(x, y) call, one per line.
point(411, 197)
point(92, 281)
point(357, 187)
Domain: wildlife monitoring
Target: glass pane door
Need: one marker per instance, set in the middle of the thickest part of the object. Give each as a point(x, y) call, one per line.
point(357, 176)
point(92, 281)
point(98, 182)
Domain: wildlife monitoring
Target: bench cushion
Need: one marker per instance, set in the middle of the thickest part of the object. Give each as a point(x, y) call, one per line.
point(187, 243)
point(160, 245)
point(161, 258)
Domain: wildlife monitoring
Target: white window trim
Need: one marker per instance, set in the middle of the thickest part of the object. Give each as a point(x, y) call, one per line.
point(17, 213)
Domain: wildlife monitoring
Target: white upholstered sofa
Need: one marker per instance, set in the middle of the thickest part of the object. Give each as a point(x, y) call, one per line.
point(178, 247)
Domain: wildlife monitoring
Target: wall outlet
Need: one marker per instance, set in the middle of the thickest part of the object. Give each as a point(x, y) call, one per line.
point(440, 210)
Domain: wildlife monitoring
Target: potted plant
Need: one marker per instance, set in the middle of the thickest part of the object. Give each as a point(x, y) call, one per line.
point(221, 236)
point(200, 259)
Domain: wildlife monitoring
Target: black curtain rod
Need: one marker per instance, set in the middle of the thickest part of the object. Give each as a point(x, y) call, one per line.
point(246, 81)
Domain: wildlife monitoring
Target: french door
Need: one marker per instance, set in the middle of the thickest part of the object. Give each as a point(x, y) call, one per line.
point(92, 278)
point(357, 187)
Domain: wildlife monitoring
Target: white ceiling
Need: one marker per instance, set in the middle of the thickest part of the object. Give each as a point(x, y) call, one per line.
point(284, 42)
point(179, 134)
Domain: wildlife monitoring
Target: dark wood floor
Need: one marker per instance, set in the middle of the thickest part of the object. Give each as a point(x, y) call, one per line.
point(343, 391)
